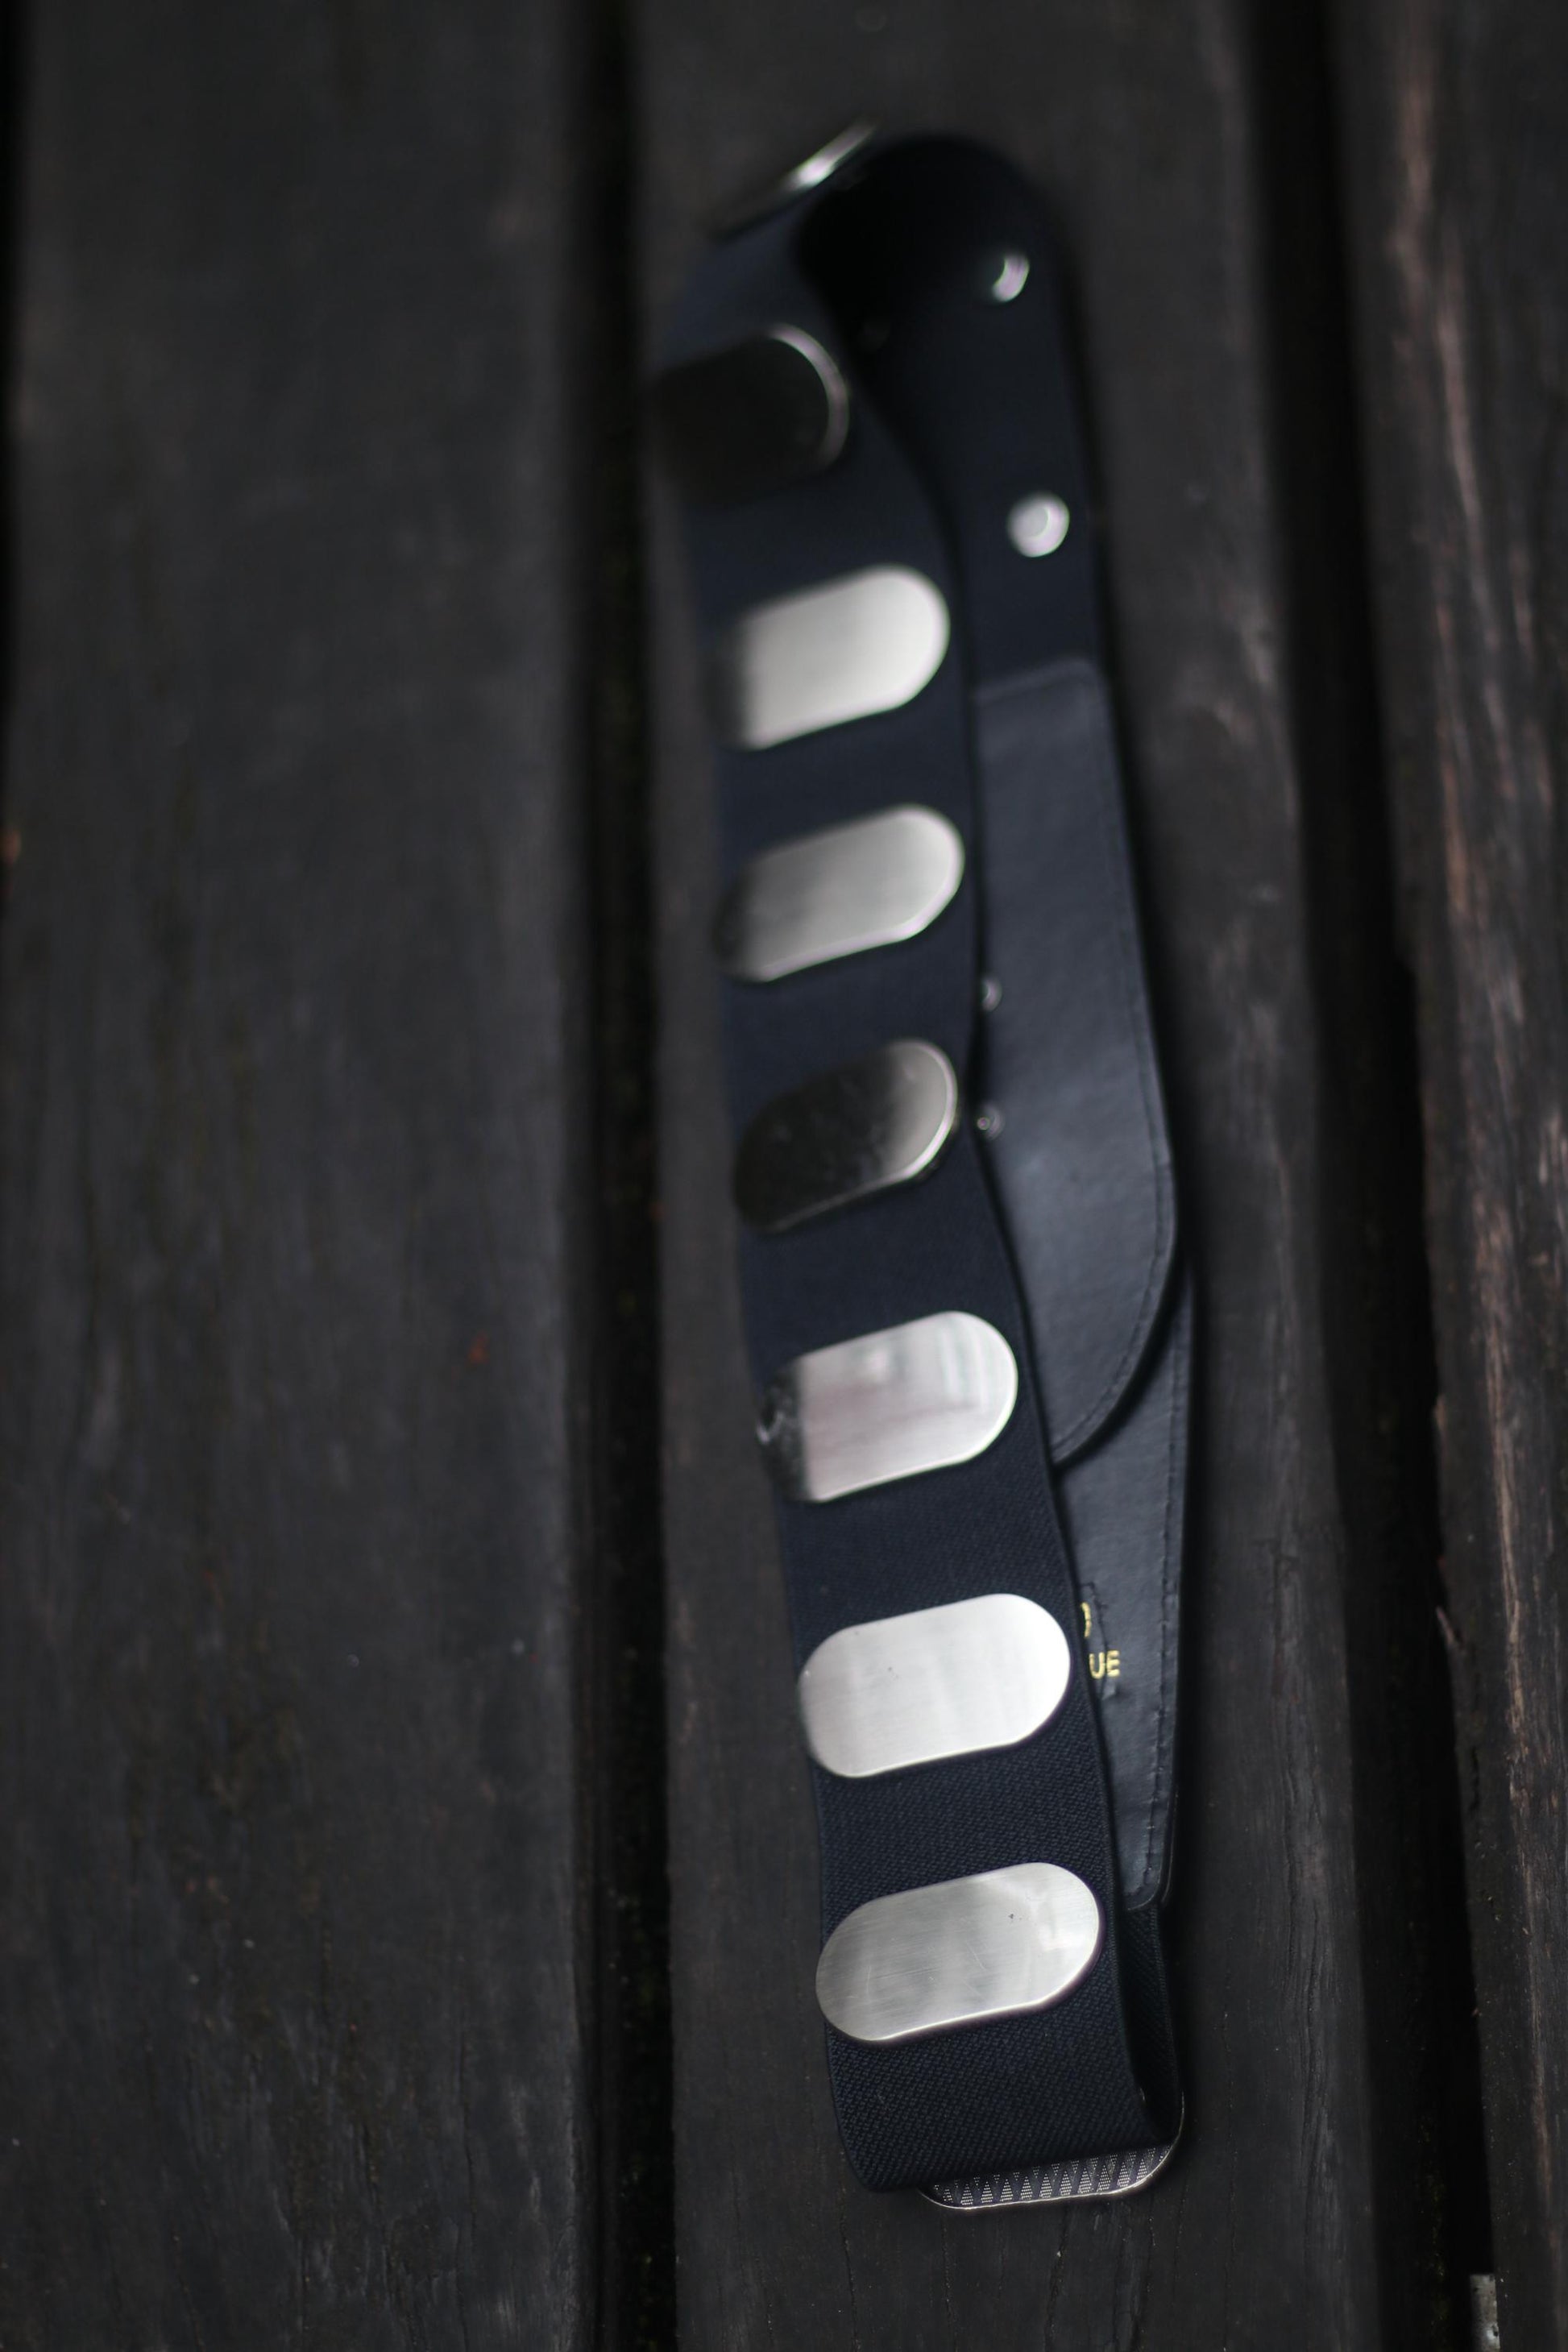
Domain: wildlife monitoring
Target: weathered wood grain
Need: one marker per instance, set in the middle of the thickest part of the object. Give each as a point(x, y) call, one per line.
point(1285, 2220)
point(1456, 183)
point(295, 1991)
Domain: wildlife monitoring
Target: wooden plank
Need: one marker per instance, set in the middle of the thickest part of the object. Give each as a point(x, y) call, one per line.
point(1457, 184)
point(295, 1990)
point(1293, 2214)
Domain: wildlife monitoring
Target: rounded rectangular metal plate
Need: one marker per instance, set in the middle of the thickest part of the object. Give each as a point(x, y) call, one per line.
point(752, 418)
point(879, 1120)
point(959, 1953)
point(950, 1681)
point(843, 650)
point(918, 1396)
point(838, 893)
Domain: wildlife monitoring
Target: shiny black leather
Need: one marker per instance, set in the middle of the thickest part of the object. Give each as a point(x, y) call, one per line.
point(1081, 1157)
point(1081, 1161)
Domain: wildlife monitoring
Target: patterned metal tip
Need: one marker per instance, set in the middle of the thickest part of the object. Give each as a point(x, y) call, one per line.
point(1074, 2181)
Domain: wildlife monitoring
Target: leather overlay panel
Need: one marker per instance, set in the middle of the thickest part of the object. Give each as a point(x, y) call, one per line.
point(1081, 1157)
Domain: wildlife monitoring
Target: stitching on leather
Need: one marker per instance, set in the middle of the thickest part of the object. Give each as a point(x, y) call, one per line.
point(1074, 671)
point(1180, 1344)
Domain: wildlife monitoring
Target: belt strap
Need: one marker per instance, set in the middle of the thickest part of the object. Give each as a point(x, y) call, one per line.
point(965, 1314)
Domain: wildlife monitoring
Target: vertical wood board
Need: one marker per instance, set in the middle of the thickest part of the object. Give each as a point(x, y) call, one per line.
point(292, 2048)
point(1457, 189)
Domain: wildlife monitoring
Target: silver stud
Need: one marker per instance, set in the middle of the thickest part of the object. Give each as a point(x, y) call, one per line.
point(950, 1681)
point(1038, 524)
point(999, 1944)
point(840, 892)
point(890, 1405)
point(882, 1119)
point(847, 649)
point(751, 418)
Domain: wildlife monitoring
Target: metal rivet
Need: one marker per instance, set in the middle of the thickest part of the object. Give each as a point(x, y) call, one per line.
point(950, 1681)
point(822, 164)
point(1038, 524)
point(817, 167)
point(880, 1120)
point(847, 649)
point(751, 418)
point(1003, 275)
point(840, 892)
point(988, 1120)
point(999, 1944)
point(890, 1405)
point(989, 992)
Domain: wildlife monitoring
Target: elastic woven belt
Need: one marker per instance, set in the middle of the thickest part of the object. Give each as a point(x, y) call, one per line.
point(967, 1321)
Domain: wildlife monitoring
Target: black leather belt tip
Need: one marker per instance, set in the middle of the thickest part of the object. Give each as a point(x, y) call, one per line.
point(969, 1323)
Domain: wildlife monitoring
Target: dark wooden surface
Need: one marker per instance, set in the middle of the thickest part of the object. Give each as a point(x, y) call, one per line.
point(1457, 187)
point(334, 2001)
point(296, 1990)
point(1308, 2205)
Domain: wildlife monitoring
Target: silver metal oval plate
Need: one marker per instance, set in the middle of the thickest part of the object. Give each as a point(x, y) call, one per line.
point(879, 1120)
point(840, 892)
point(918, 1396)
point(1001, 1945)
point(752, 418)
point(844, 650)
point(950, 1681)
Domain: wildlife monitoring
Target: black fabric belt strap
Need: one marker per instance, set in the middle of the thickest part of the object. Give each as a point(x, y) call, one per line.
point(868, 393)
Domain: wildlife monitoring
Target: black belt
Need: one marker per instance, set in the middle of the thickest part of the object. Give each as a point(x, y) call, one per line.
point(968, 1324)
